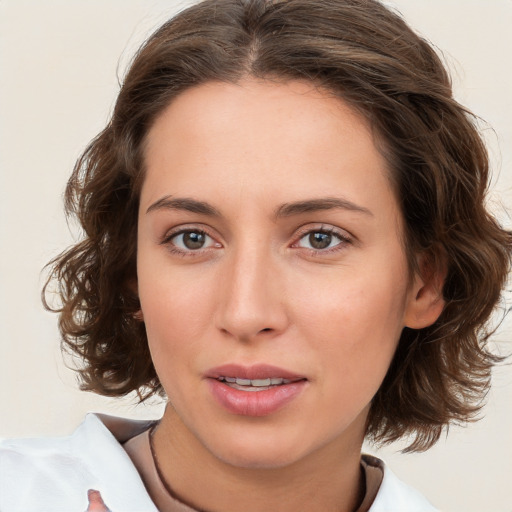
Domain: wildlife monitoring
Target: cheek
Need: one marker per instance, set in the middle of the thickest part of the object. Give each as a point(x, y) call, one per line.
point(173, 327)
point(355, 304)
point(355, 324)
point(177, 308)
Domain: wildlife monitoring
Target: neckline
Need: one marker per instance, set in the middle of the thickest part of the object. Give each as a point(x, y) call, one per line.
point(143, 455)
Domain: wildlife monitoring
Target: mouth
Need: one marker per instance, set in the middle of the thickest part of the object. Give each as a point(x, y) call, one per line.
point(255, 384)
point(257, 390)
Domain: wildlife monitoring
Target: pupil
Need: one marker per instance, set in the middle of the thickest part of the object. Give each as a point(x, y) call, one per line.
point(320, 240)
point(193, 240)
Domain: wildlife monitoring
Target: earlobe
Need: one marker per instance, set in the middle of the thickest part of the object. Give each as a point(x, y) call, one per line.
point(133, 286)
point(426, 302)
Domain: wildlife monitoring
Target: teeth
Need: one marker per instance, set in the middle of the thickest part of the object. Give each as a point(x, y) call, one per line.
point(260, 382)
point(257, 383)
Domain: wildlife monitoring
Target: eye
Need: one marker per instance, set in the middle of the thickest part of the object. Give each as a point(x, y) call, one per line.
point(321, 240)
point(190, 240)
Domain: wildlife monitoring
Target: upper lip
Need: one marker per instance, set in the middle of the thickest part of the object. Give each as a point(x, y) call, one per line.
point(253, 372)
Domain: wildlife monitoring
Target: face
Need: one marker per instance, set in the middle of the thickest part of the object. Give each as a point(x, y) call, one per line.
point(272, 277)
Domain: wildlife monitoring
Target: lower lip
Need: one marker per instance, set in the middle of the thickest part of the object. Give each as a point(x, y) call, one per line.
point(255, 403)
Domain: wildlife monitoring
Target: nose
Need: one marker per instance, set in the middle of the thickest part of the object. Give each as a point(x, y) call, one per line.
point(252, 301)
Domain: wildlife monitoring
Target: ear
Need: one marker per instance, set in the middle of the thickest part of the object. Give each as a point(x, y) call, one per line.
point(139, 315)
point(134, 288)
point(426, 302)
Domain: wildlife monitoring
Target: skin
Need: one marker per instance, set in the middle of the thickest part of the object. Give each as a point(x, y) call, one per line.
point(96, 503)
point(258, 292)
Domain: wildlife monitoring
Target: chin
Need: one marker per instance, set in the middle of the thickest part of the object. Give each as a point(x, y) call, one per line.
point(257, 459)
point(262, 450)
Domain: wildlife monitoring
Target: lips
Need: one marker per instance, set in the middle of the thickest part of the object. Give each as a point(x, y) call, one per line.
point(257, 390)
point(255, 372)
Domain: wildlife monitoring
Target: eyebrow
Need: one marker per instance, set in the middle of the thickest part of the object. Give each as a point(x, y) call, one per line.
point(314, 205)
point(184, 203)
point(285, 210)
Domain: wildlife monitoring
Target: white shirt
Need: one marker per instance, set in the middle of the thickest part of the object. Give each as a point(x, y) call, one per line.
point(54, 474)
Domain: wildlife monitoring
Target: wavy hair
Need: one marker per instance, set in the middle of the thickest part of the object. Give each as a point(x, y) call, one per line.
point(367, 55)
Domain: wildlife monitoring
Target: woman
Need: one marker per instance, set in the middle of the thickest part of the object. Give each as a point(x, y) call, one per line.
point(285, 234)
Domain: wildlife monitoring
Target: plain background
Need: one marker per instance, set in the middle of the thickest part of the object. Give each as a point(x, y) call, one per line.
point(59, 62)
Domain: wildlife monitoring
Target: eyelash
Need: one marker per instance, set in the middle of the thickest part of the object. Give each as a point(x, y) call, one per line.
point(167, 241)
point(343, 238)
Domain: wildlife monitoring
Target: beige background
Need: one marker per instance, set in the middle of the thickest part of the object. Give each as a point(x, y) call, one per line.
point(58, 64)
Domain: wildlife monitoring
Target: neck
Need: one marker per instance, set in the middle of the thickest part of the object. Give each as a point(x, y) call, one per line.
point(326, 480)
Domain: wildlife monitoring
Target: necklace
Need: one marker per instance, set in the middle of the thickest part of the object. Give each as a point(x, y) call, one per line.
point(161, 478)
point(166, 486)
point(365, 501)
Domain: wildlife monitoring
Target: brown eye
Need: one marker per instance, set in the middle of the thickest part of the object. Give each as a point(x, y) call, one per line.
point(194, 240)
point(320, 240)
point(191, 240)
point(323, 239)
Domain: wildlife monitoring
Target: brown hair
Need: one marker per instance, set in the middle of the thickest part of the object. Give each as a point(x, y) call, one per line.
point(368, 56)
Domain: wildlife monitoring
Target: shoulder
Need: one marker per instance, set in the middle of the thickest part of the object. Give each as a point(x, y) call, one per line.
point(54, 474)
point(395, 495)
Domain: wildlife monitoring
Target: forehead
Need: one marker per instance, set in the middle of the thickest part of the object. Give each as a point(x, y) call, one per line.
point(260, 101)
point(277, 140)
